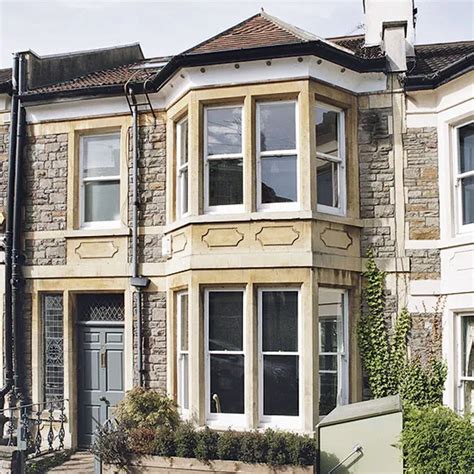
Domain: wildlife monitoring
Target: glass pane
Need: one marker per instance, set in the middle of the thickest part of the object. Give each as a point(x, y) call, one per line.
point(328, 362)
point(327, 183)
point(328, 334)
point(468, 396)
point(101, 155)
point(466, 147)
point(277, 126)
point(183, 142)
point(467, 346)
point(225, 320)
point(467, 187)
point(184, 191)
point(328, 393)
point(184, 385)
point(279, 179)
point(280, 321)
point(224, 130)
point(101, 201)
point(225, 182)
point(280, 385)
point(227, 384)
point(183, 321)
point(326, 132)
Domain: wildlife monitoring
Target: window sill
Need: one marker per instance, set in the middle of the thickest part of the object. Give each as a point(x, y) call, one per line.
point(99, 232)
point(262, 216)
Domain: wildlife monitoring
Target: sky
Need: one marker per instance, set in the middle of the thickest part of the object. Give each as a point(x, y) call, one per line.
point(169, 27)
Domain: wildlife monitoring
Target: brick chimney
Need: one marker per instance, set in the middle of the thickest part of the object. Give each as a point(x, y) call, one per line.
point(390, 24)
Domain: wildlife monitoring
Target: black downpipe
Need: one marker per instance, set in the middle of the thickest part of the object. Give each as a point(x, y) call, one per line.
point(17, 257)
point(7, 321)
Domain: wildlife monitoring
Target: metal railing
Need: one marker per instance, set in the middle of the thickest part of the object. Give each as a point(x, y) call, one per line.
point(39, 427)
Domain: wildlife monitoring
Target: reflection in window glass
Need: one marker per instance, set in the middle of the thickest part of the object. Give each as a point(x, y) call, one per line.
point(280, 352)
point(182, 168)
point(466, 172)
point(278, 179)
point(225, 182)
point(100, 176)
point(223, 157)
point(277, 155)
point(225, 351)
point(277, 126)
point(183, 350)
point(332, 356)
point(329, 156)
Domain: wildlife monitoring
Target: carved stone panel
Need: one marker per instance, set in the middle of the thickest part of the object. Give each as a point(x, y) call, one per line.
point(96, 249)
point(277, 235)
point(222, 237)
point(179, 242)
point(334, 238)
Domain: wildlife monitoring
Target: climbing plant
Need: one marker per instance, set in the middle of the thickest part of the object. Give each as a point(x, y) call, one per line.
point(385, 357)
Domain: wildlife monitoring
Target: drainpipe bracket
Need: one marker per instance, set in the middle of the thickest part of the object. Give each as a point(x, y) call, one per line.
point(140, 282)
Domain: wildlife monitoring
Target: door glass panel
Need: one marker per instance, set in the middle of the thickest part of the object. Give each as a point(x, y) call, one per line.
point(227, 383)
point(281, 385)
point(226, 320)
point(277, 126)
point(280, 321)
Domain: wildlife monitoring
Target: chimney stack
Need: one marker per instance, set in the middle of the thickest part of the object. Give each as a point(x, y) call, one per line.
point(390, 24)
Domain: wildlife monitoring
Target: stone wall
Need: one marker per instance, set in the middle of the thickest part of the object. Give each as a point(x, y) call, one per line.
point(45, 184)
point(425, 340)
point(421, 183)
point(154, 339)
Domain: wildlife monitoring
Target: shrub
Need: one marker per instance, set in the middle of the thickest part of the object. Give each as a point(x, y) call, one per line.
point(436, 440)
point(165, 444)
point(302, 450)
point(229, 445)
point(206, 446)
point(185, 440)
point(277, 442)
point(142, 440)
point(111, 445)
point(147, 409)
point(253, 447)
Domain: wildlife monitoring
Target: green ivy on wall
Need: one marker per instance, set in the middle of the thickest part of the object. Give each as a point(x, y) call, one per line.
point(385, 357)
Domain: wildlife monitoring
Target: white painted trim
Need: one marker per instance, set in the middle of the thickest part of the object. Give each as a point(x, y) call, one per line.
point(287, 422)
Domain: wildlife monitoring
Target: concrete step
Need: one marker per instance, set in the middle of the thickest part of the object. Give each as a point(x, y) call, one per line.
point(78, 463)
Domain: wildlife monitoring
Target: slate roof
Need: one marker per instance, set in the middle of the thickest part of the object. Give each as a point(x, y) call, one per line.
point(433, 63)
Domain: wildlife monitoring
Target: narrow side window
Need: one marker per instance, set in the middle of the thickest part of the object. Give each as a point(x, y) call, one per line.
point(183, 351)
point(182, 174)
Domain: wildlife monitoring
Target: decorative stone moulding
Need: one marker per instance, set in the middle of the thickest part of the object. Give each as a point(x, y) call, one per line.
point(97, 249)
point(338, 239)
point(179, 242)
point(463, 260)
point(222, 237)
point(277, 235)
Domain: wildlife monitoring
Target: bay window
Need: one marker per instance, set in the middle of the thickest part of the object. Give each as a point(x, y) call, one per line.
point(279, 355)
point(330, 159)
point(333, 353)
point(466, 364)
point(183, 351)
point(182, 174)
point(465, 174)
point(223, 159)
point(277, 166)
point(224, 344)
point(100, 180)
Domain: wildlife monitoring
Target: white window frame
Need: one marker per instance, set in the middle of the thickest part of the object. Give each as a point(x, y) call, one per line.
point(458, 177)
point(276, 206)
point(223, 208)
point(460, 379)
point(342, 355)
point(340, 160)
point(222, 419)
point(181, 377)
point(97, 179)
point(181, 168)
point(279, 421)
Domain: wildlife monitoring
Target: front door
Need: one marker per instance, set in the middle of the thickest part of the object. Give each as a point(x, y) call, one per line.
point(100, 374)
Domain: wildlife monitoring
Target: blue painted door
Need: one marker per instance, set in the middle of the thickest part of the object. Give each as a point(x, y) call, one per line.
point(101, 380)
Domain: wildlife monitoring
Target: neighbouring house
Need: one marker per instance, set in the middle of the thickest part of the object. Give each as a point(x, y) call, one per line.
point(198, 223)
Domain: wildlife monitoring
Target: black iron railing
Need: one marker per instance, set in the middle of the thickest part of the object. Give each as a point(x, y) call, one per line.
point(36, 428)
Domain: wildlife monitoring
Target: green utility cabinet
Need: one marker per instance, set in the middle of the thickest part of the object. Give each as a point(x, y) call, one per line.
point(362, 438)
